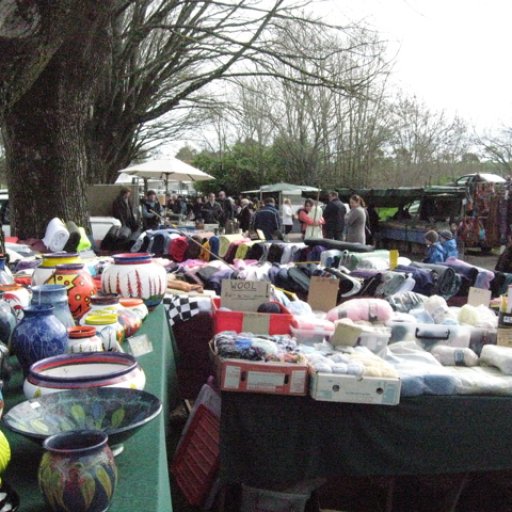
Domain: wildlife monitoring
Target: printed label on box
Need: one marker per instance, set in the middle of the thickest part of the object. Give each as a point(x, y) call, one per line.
point(232, 377)
point(264, 380)
point(241, 295)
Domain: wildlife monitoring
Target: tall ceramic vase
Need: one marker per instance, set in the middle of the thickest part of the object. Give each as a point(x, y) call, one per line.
point(79, 285)
point(40, 334)
point(77, 473)
point(135, 275)
point(57, 296)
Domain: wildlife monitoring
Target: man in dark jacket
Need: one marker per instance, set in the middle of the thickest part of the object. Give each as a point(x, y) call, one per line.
point(267, 219)
point(122, 209)
point(212, 211)
point(334, 217)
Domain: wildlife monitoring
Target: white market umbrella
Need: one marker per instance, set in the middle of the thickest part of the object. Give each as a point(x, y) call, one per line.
point(168, 169)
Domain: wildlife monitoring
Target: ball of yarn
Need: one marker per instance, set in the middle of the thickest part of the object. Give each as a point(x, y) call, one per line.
point(269, 307)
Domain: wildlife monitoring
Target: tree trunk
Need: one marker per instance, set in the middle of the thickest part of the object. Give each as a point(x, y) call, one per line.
point(45, 132)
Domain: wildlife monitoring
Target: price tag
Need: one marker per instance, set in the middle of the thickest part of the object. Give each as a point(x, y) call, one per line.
point(140, 345)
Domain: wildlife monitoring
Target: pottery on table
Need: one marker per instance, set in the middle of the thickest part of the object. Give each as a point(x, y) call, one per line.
point(57, 296)
point(17, 296)
point(77, 472)
point(79, 284)
point(49, 264)
point(83, 338)
point(135, 275)
point(135, 305)
point(119, 412)
point(8, 321)
point(84, 370)
point(108, 329)
point(129, 319)
point(40, 334)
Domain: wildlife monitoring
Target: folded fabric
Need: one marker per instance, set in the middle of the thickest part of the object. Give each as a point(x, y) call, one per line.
point(482, 276)
point(338, 244)
point(390, 284)
point(446, 281)
point(406, 301)
point(420, 372)
point(482, 380)
point(353, 260)
point(498, 356)
point(56, 235)
point(225, 240)
point(368, 309)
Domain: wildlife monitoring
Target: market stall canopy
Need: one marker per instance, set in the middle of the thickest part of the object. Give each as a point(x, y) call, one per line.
point(168, 169)
point(283, 188)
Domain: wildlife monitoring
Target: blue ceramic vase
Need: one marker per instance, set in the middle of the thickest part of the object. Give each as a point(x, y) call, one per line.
point(77, 473)
point(40, 334)
point(57, 296)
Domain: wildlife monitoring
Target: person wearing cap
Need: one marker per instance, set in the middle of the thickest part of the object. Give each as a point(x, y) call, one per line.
point(151, 211)
point(449, 244)
point(122, 209)
point(435, 252)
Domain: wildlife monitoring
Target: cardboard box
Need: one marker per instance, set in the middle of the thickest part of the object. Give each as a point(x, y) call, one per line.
point(260, 377)
point(248, 321)
point(332, 387)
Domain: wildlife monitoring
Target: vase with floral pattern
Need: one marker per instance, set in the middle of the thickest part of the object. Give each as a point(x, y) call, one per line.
point(77, 472)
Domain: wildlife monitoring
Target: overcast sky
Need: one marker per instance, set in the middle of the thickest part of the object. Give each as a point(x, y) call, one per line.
point(455, 55)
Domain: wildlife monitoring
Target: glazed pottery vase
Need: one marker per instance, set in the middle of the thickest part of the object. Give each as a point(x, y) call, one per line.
point(8, 321)
point(40, 334)
point(17, 296)
point(6, 276)
point(108, 329)
point(85, 370)
point(135, 305)
point(83, 338)
point(79, 285)
point(135, 275)
point(57, 296)
point(77, 472)
point(130, 320)
point(49, 264)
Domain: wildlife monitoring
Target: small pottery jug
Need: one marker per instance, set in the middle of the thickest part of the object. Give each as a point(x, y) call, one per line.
point(108, 329)
point(135, 275)
point(77, 473)
point(111, 303)
point(57, 296)
point(83, 338)
point(135, 305)
point(79, 285)
point(49, 264)
point(40, 334)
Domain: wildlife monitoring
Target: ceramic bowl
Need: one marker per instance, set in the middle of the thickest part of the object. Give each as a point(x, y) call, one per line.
point(83, 370)
point(119, 412)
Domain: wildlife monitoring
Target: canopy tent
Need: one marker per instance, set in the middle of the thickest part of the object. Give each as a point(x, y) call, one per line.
point(282, 188)
point(168, 169)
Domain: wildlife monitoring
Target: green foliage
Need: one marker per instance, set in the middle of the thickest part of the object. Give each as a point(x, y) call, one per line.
point(243, 166)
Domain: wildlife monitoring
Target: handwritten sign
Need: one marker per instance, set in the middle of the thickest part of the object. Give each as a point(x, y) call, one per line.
point(244, 295)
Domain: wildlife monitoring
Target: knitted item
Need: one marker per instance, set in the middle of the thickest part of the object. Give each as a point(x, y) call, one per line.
point(452, 356)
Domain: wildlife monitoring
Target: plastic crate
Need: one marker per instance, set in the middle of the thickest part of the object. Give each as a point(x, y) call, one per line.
point(278, 323)
point(196, 460)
